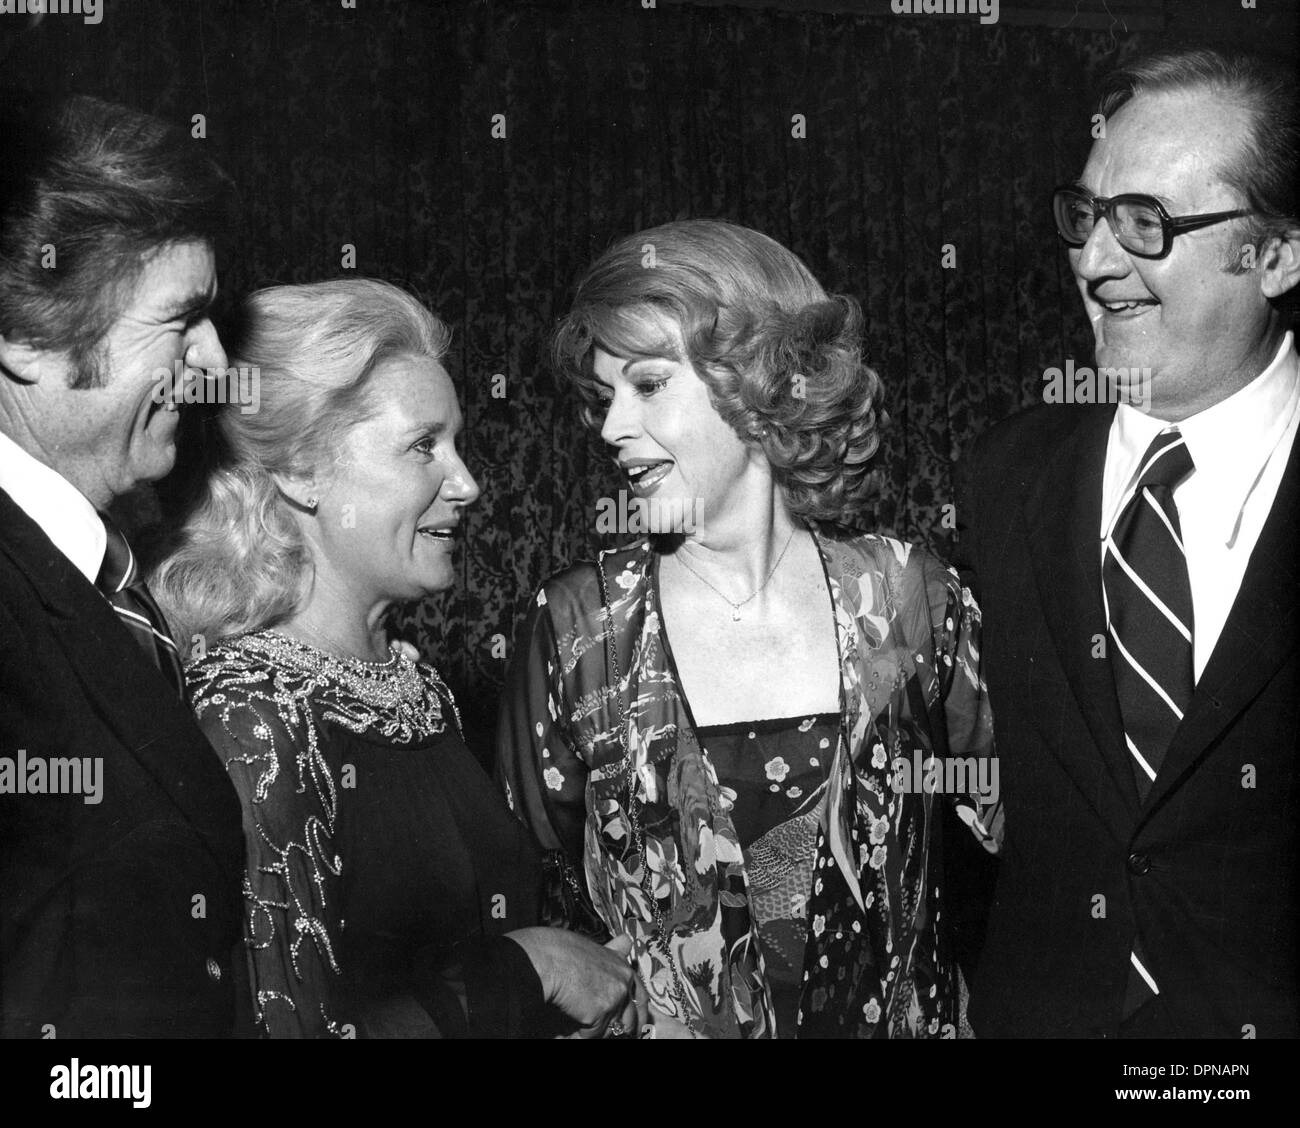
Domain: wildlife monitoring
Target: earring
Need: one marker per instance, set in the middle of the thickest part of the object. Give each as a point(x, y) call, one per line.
point(312, 502)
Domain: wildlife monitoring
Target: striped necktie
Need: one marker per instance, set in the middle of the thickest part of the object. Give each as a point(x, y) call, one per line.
point(1149, 608)
point(120, 583)
point(1149, 618)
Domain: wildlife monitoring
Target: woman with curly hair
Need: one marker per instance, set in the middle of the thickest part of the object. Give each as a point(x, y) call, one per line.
point(717, 724)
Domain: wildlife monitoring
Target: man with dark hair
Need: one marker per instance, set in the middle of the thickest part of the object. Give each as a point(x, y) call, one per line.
point(120, 845)
point(1137, 570)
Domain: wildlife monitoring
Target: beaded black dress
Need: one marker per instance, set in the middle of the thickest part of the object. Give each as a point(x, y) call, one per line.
point(383, 866)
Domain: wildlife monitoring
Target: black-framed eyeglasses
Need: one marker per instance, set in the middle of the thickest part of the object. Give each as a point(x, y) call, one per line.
point(1140, 223)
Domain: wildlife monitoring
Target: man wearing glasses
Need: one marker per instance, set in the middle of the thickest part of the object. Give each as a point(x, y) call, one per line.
point(1138, 575)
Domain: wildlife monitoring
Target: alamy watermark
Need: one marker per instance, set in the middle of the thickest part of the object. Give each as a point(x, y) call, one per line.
point(76, 1081)
point(59, 775)
point(987, 10)
point(90, 11)
point(182, 384)
point(1098, 385)
point(638, 516)
point(926, 774)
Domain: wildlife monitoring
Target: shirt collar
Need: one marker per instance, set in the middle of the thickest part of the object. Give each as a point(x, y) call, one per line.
point(1230, 442)
point(56, 505)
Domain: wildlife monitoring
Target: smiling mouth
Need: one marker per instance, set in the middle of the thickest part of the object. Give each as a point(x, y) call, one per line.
point(646, 475)
point(1133, 306)
point(445, 535)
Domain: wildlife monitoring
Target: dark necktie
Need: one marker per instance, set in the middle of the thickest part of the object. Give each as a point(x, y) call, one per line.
point(1149, 618)
point(119, 581)
point(1149, 609)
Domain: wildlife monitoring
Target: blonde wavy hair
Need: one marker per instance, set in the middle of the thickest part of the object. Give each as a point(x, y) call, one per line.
point(781, 358)
point(239, 562)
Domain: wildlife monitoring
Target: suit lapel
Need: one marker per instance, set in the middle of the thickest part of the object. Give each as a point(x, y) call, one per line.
point(1063, 520)
point(1260, 632)
point(127, 692)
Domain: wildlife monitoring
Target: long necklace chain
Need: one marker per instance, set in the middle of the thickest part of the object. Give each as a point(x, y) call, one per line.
point(634, 812)
point(735, 607)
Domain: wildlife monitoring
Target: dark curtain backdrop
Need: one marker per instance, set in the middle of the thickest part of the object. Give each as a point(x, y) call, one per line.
point(373, 127)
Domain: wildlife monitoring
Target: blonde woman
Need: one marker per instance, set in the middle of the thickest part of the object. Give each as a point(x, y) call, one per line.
point(389, 891)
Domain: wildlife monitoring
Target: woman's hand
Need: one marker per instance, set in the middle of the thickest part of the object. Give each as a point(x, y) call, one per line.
point(591, 985)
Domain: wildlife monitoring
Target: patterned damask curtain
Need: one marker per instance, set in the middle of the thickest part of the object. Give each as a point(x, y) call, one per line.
point(919, 185)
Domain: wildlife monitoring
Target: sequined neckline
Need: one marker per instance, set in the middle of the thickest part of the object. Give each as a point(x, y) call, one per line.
point(312, 653)
point(399, 694)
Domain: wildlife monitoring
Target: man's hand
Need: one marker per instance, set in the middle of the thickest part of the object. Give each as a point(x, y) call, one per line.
point(589, 984)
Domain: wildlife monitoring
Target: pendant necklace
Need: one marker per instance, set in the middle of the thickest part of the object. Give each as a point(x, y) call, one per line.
point(735, 607)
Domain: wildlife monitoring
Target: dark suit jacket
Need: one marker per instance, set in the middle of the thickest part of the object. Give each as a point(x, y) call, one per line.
point(117, 918)
point(1205, 871)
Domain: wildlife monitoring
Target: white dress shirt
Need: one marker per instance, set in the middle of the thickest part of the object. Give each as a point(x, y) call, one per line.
point(56, 505)
point(1240, 448)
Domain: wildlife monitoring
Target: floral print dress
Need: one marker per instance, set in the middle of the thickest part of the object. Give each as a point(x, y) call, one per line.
point(876, 960)
point(773, 774)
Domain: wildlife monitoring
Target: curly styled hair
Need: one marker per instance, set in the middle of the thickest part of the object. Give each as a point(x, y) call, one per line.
point(240, 562)
point(780, 357)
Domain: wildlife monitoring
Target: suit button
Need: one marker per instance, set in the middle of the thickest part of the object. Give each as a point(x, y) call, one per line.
point(1138, 864)
point(214, 970)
